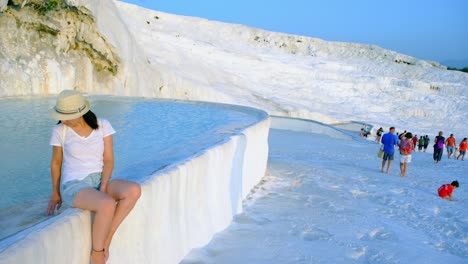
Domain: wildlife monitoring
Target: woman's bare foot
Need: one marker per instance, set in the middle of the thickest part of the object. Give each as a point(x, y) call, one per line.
point(106, 249)
point(98, 257)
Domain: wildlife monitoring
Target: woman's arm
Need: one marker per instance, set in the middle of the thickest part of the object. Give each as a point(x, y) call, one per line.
point(55, 169)
point(108, 162)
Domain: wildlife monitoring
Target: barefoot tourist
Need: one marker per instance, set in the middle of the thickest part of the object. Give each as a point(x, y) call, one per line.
point(82, 161)
point(462, 149)
point(389, 140)
point(406, 146)
point(439, 143)
point(450, 144)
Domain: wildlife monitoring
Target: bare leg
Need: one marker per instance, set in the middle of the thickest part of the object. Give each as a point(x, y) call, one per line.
point(126, 194)
point(405, 169)
point(388, 165)
point(383, 165)
point(402, 169)
point(104, 206)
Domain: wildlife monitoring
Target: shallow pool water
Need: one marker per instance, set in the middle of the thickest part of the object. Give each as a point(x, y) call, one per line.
point(151, 134)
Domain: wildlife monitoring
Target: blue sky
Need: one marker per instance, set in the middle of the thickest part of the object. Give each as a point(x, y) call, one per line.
point(427, 29)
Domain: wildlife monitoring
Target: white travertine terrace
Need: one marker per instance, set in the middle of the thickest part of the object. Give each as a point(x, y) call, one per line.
point(181, 207)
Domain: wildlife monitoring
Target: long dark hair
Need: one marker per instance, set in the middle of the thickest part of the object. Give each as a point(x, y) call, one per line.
point(90, 118)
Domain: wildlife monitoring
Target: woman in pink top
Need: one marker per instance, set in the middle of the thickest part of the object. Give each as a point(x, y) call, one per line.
point(406, 146)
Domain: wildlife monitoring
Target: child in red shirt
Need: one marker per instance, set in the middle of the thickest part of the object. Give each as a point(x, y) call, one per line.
point(445, 191)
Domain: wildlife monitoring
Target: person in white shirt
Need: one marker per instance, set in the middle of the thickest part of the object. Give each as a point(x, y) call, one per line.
point(83, 160)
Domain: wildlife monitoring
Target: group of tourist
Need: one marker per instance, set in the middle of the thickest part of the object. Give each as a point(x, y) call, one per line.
point(451, 145)
point(365, 132)
point(406, 143)
point(422, 143)
point(439, 142)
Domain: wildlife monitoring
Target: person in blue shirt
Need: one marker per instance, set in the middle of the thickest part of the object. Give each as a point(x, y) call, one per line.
point(389, 141)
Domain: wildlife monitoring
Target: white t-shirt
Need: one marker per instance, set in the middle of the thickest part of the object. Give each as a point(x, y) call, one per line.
point(81, 155)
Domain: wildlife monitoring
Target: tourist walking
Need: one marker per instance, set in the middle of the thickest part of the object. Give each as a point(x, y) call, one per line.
point(420, 143)
point(462, 148)
point(82, 161)
point(389, 141)
point(379, 134)
point(406, 146)
point(439, 142)
point(415, 141)
point(426, 142)
point(451, 143)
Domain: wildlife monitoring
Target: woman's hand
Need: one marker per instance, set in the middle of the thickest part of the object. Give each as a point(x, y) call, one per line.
point(103, 187)
point(55, 202)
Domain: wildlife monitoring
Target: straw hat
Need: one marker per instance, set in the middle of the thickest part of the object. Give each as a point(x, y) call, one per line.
point(70, 104)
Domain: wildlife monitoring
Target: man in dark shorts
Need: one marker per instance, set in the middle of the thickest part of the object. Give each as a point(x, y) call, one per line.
point(389, 141)
point(426, 142)
point(439, 143)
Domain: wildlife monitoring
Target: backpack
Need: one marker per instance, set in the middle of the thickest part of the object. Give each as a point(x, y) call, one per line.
point(440, 143)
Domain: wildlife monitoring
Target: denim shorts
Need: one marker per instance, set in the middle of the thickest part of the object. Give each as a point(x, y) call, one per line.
point(388, 156)
point(450, 149)
point(71, 188)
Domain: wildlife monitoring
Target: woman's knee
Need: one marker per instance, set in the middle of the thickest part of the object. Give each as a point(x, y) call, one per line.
point(127, 190)
point(134, 191)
